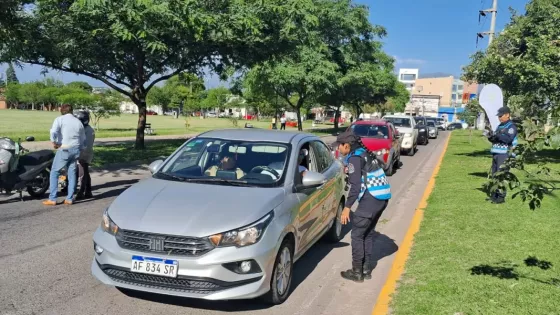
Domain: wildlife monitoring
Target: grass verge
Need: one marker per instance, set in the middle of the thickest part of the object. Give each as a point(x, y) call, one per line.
point(473, 257)
point(125, 153)
point(20, 124)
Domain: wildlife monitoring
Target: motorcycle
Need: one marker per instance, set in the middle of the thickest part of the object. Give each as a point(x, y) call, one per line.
point(23, 170)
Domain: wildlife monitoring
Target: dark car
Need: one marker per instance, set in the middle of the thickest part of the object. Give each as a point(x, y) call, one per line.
point(422, 126)
point(454, 126)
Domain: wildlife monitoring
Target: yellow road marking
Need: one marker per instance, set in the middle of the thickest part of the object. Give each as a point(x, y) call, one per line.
point(381, 307)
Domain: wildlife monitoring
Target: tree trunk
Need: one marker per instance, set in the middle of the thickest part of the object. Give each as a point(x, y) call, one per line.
point(336, 117)
point(141, 103)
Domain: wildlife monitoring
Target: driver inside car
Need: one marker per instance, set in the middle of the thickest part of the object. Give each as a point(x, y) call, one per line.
point(227, 163)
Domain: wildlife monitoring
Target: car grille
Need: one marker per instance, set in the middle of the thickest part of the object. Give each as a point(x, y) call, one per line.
point(163, 244)
point(179, 284)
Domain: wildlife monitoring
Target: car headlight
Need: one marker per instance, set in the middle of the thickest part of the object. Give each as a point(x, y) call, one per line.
point(422, 130)
point(108, 225)
point(408, 135)
point(244, 236)
point(382, 152)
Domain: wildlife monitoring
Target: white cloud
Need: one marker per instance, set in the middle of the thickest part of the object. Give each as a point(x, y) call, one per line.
point(409, 61)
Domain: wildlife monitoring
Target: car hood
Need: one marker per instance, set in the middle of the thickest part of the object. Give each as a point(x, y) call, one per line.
point(374, 144)
point(191, 209)
point(404, 129)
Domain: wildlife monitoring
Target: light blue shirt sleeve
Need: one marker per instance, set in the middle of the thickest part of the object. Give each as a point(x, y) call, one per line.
point(55, 131)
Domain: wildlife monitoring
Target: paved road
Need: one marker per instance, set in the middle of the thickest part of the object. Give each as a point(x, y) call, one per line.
point(45, 254)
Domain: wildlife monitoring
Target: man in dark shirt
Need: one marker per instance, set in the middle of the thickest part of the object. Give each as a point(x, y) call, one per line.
point(366, 215)
point(503, 139)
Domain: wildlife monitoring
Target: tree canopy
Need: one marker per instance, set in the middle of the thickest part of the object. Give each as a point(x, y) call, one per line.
point(132, 45)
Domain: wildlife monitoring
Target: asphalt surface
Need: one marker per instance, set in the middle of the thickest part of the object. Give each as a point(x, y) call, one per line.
point(45, 256)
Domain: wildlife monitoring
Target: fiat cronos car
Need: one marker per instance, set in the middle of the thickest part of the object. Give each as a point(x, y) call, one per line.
point(224, 217)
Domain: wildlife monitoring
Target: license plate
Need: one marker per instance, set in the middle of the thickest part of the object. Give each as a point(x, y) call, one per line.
point(155, 266)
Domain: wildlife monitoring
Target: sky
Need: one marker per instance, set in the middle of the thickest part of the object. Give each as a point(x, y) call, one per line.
point(432, 35)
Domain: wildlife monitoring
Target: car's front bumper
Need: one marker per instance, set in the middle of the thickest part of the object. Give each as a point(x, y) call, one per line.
point(202, 277)
point(423, 137)
point(407, 143)
point(432, 133)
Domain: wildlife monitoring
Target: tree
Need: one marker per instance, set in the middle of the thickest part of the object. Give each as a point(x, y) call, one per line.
point(11, 76)
point(159, 96)
point(524, 60)
point(132, 45)
point(31, 93)
point(104, 106)
point(400, 96)
point(470, 115)
point(80, 85)
point(13, 94)
point(216, 98)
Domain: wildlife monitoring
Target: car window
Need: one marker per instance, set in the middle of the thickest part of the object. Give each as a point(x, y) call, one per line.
point(373, 131)
point(322, 155)
point(399, 121)
point(212, 160)
point(431, 123)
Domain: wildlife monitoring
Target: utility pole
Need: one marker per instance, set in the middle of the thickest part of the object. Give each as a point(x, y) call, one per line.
point(491, 33)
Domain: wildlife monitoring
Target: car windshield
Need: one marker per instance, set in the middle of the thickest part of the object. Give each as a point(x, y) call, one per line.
point(398, 121)
point(227, 162)
point(373, 131)
point(431, 123)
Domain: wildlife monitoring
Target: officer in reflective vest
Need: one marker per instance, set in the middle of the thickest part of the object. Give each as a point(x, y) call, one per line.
point(503, 140)
point(369, 209)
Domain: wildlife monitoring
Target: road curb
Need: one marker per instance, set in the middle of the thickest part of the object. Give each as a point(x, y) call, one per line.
point(381, 306)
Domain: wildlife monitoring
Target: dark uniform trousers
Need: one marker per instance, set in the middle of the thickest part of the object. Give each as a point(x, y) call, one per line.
point(364, 221)
point(497, 162)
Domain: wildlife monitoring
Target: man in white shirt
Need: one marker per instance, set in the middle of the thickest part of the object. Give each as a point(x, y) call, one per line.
point(283, 122)
point(68, 138)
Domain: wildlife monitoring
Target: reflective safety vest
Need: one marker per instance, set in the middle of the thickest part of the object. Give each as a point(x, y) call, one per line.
point(502, 148)
point(374, 179)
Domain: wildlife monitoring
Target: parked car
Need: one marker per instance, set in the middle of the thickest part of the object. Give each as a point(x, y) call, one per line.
point(422, 126)
point(151, 113)
point(234, 235)
point(380, 137)
point(456, 125)
point(211, 114)
point(441, 124)
point(408, 133)
point(432, 129)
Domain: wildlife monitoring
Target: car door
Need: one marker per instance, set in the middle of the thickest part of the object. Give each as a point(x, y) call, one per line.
point(308, 203)
point(328, 201)
point(395, 141)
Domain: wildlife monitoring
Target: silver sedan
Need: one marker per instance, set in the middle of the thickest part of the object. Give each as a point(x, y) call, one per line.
point(224, 217)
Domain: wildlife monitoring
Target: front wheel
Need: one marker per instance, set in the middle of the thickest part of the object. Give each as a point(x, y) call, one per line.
point(335, 232)
point(39, 186)
point(281, 275)
point(411, 151)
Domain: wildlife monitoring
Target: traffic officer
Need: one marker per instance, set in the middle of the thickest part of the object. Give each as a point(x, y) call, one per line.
point(503, 140)
point(369, 209)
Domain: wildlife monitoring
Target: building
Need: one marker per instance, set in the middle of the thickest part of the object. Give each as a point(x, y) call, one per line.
point(408, 77)
point(131, 108)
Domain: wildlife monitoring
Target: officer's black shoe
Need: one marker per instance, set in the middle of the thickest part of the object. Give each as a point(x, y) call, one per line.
point(368, 269)
point(354, 274)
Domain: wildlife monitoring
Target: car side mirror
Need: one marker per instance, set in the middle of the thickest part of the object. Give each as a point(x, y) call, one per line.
point(397, 136)
point(154, 166)
point(311, 180)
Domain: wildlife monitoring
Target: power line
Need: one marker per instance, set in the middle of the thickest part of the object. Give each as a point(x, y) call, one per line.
point(493, 11)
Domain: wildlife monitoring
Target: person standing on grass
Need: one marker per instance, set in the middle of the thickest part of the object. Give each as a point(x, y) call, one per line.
point(283, 122)
point(503, 140)
point(68, 139)
point(368, 186)
point(86, 156)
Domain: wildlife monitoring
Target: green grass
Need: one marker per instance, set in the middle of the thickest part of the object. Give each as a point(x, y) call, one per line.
point(124, 153)
point(469, 256)
point(20, 124)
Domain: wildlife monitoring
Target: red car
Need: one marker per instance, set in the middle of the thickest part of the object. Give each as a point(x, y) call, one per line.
point(382, 138)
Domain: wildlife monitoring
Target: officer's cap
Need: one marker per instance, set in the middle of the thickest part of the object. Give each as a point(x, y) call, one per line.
point(345, 137)
point(502, 111)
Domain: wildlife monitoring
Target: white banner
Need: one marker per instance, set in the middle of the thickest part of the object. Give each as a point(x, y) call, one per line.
point(491, 99)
